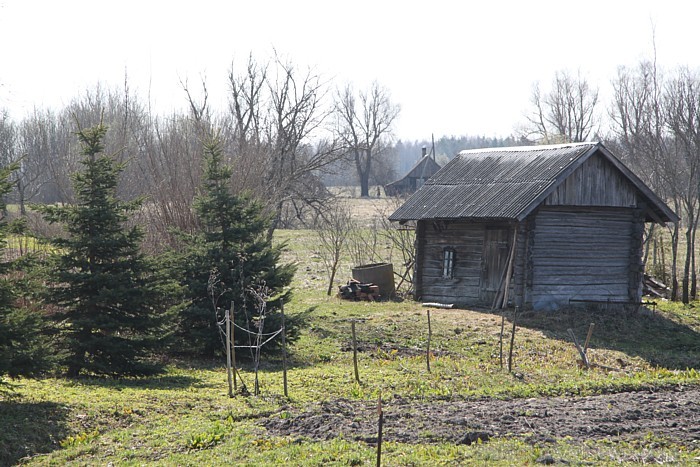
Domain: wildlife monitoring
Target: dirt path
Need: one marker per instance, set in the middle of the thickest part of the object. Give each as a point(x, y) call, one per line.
point(674, 414)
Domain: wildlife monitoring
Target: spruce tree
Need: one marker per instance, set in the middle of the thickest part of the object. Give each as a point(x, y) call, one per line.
point(226, 261)
point(22, 344)
point(101, 282)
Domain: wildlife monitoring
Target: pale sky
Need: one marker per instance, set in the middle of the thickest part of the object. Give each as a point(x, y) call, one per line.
point(454, 67)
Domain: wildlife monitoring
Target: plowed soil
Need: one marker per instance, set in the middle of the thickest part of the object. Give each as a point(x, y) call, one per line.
point(673, 414)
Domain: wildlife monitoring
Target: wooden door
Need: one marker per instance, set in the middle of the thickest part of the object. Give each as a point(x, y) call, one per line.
point(494, 262)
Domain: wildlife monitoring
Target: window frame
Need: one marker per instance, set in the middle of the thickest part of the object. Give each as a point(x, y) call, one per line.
point(449, 258)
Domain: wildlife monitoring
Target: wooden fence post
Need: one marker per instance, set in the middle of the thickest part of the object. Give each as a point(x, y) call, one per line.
point(581, 352)
point(588, 337)
point(284, 352)
point(509, 269)
point(228, 354)
point(233, 348)
point(512, 341)
point(354, 353)
point(500, 339)
point(379, 430)
point(427, 351)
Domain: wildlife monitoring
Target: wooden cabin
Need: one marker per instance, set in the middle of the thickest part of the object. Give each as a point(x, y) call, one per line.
point(425, 168)
point(536, 226)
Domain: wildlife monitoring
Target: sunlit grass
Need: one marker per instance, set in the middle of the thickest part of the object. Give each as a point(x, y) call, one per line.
point(184, 417)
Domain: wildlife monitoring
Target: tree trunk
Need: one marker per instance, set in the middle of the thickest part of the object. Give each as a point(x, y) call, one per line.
point(688, 290)
point(686, 266)
point(363, 169)
point(363, 175)
point(21, 198)
point(674, 261)
point(276, 219)
point(693, 272)
point(364, 186)
point(649, 241)
point(330, 283)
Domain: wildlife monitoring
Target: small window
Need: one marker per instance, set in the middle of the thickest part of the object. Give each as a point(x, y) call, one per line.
point(448, 263)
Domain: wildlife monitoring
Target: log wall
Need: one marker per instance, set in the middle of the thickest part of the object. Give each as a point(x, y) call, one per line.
point(596, 183)
point(522, 269)
point(467, 240)
point(583, 254)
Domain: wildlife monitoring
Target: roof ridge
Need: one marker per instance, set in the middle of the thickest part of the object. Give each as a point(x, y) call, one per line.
point(528, 148)
point(486, 183)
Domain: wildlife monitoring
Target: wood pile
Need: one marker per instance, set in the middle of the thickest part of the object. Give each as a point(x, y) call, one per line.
point(355, 290)
point(655, 288)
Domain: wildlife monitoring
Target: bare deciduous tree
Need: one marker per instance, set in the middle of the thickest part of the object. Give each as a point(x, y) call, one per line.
point(34, 142)
point(332, 229)
point(565, 114)
point(640, 123)
point(682, 106)
point(277, 134)
point(8, 137)
point(363, 242)
point(401, 239)
point(364, 125)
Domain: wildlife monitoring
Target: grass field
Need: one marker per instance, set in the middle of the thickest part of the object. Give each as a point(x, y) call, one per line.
point(184, 417)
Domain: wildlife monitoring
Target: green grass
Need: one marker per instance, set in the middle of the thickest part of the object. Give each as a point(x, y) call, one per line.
point(184, 417)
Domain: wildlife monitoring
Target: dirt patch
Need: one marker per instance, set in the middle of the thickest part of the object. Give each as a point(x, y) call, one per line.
point(390, 351)
point(672, 414)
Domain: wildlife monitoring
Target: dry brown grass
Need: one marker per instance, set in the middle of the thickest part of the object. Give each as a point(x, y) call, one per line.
point(370, 209)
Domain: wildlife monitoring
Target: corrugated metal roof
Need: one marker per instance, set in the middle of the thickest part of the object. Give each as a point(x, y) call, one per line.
point(495, 183)
point(424, 168)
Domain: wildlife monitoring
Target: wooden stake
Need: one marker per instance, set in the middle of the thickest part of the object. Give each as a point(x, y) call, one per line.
point(244, 389)
point(233, 349)
point(284, 352)
point(509, 269)
point(512, 341)
point(403, 278)
point(427, 351)
point(499, 290)
point(380, 411)
point(228, 354)
point(501, 298)
point(500, 340)
point(256, 387)
point(588, 337)
point(578, 347)
point(354, 353)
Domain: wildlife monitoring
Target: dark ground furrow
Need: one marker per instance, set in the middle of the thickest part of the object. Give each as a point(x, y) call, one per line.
point(672, 414)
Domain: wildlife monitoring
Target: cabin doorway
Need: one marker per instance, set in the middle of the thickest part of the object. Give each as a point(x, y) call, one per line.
point(494, 262)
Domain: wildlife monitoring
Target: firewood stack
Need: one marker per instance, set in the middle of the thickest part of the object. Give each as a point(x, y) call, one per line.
point(655, 288)
point(355, 290)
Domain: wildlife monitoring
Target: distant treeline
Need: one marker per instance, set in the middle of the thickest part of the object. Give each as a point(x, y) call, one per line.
point(398, 159)
point(446, 147)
